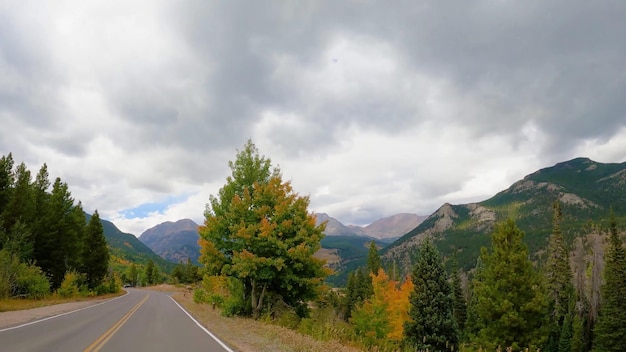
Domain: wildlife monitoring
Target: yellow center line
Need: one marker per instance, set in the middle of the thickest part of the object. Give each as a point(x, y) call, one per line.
point(102, 340)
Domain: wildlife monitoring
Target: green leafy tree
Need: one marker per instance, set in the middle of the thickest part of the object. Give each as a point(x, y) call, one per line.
point(559, 284)
point(373, 259)
point(95, 252)
point(508, 304)
point(431, 325)
point(610, 330)
point(132, 274)
point(259, 231)
point(151, 273)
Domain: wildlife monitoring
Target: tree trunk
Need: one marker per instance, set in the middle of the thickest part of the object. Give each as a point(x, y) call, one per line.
point(257, 305)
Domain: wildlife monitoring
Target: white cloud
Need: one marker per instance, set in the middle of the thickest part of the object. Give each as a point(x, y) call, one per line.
point(370, 110)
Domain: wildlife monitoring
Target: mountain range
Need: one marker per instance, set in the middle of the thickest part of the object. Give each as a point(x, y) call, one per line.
point(386, 229)
point(126, 248)
point(174, 241)
point(178, 241)
point(587, 191)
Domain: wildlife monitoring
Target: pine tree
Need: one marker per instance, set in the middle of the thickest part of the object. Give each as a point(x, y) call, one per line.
point(150, 273)
point(431, 325)
point(460, 306)
point(373, 259)
point(58, 241)
point(358, 289)
point(95, 263)
point(6, 180)
point(610, 330)
point(559, 281)
point(508, 305)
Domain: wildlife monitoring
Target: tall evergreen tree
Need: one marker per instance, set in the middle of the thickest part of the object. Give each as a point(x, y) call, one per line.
point(610, 330)
point(6, 180)
point(20, 206)
point(58, 245)
point(373, 259)
point(95, 263)
point(460, 306)
point(559, 283)
point(431, 325)
point(508, 305)
point(358, 289)
point(150, 273)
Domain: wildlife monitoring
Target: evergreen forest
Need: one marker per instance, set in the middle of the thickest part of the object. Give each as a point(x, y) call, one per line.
point(46, 243)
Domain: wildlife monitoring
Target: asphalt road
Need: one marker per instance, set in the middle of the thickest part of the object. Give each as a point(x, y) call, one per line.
point(139, 321)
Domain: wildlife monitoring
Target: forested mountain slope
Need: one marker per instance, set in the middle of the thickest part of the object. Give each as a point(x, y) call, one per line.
point(125, 248)
point(586, 190)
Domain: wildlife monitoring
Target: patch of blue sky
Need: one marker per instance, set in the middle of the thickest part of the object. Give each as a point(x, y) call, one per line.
point(147, 209)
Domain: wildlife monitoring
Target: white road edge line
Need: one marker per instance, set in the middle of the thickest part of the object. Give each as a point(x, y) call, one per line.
point(60, 315)
point(202, 327)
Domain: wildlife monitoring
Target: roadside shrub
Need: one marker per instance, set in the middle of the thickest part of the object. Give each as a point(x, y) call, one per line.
point(200, 296)
point(18, 279)
point(72, 285)
point(234, 303)
point(32, 282)
point(326, 325)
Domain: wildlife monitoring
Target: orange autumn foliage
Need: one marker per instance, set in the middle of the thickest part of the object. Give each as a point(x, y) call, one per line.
point(392, 300)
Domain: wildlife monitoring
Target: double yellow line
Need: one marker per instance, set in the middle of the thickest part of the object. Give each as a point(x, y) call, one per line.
point(102, 340)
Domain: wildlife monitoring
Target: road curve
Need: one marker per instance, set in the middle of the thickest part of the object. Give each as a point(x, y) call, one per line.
point(139, 321)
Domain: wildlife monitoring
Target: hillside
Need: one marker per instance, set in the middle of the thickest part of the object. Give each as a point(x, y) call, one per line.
point(174, 241)
point(344, 254)
point(585, 188)
point(125, 248)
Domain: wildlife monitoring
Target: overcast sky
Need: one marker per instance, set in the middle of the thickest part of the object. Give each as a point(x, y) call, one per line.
point(370, 108)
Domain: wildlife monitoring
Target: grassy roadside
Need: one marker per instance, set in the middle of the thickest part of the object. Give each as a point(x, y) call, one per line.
point(248, 335)
point(7, 305)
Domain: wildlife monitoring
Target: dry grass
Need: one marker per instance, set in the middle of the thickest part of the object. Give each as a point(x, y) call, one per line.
point(247, 335)
point(12, 304)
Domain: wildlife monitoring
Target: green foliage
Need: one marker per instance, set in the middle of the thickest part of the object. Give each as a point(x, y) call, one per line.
point(508, 306)
point(18, 279)
point(235, 303)
point(460, 306)
point(132, 274)
point(128, 248)
point(373, 259)
point(358, 289)
point(95, 252)
point(353, 251)
point(431, 324)
point(151, 274)
point(559, 284)
point(186, 273)
point(325, 324)
point(610, 330)
point(73, 285)
point(371, 324)
point(259, 231)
